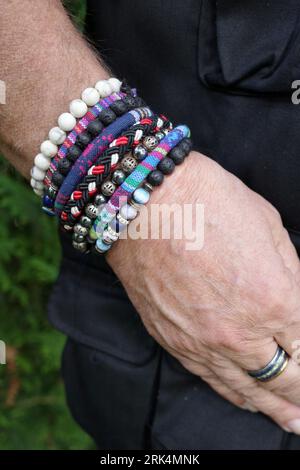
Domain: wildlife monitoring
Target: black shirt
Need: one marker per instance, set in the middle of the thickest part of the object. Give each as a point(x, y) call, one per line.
point(225, 68)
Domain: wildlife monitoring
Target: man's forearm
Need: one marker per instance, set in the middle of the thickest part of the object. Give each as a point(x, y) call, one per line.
point(45, 63)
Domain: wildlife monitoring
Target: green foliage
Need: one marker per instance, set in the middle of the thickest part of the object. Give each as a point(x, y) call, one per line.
point(77, 9)
point(33, 412)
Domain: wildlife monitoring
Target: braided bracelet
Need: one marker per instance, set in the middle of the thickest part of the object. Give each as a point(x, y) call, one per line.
point(66, 123)
point(129, 140)
point(72, 152)
point(92, 152)
point(132, 182)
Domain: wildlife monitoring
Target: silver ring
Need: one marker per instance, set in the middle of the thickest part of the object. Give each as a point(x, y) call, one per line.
point(273, 369)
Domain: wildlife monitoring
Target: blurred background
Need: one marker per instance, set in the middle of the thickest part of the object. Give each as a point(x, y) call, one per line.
point(33, 412)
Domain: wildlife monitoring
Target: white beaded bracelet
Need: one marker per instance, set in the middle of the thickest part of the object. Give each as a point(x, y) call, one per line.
point(66, 123)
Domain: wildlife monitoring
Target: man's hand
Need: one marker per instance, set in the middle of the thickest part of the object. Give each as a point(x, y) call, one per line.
point(218, 310)
point(45, 63)
point(223, 309)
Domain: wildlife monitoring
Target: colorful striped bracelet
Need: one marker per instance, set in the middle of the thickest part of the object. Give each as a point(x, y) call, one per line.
point(133, 181)
point(93, 151)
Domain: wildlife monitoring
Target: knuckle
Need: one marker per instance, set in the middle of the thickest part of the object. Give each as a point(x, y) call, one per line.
point(227, 339)
point(272, 211)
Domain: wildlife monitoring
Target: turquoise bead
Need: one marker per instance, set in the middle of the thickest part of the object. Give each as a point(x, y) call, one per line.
point(101, 246)
point(141, 196)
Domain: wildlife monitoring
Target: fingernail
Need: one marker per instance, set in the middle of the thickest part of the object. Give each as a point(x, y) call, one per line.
point(294, 426)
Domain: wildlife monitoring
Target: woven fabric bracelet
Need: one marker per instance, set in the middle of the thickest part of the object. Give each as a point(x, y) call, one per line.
point(133, 181)
point(66, 122)
point(83, 139)
point(140, 197)
point(93, 151)
point(128, 141)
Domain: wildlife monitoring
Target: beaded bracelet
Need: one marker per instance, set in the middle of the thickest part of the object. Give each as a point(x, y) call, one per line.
point(66, 123)
point(80, 239)
point(140, 197)
point(78, 141)
point(92, 152)
point(129, 140)
point(132, 182)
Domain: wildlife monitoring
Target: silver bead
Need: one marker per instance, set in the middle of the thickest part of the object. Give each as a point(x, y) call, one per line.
point(118, 177)
point(51, 191)
point(99, 199)
point(78, 238)
point(128, 164)
point(159, 135)
point(108, 188)
point(86, 221)
point(150, 142)
point(91, 211)
point(82, 247)
point(80, 230)
point(140, 152)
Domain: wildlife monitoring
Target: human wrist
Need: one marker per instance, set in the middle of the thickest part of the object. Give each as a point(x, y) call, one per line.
point(191, 181)
point(50, 76)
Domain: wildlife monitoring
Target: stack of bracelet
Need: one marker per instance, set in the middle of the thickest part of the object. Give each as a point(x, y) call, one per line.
point(66, 123)
point(127, 150)
point(100, 165)
point(126, 201)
